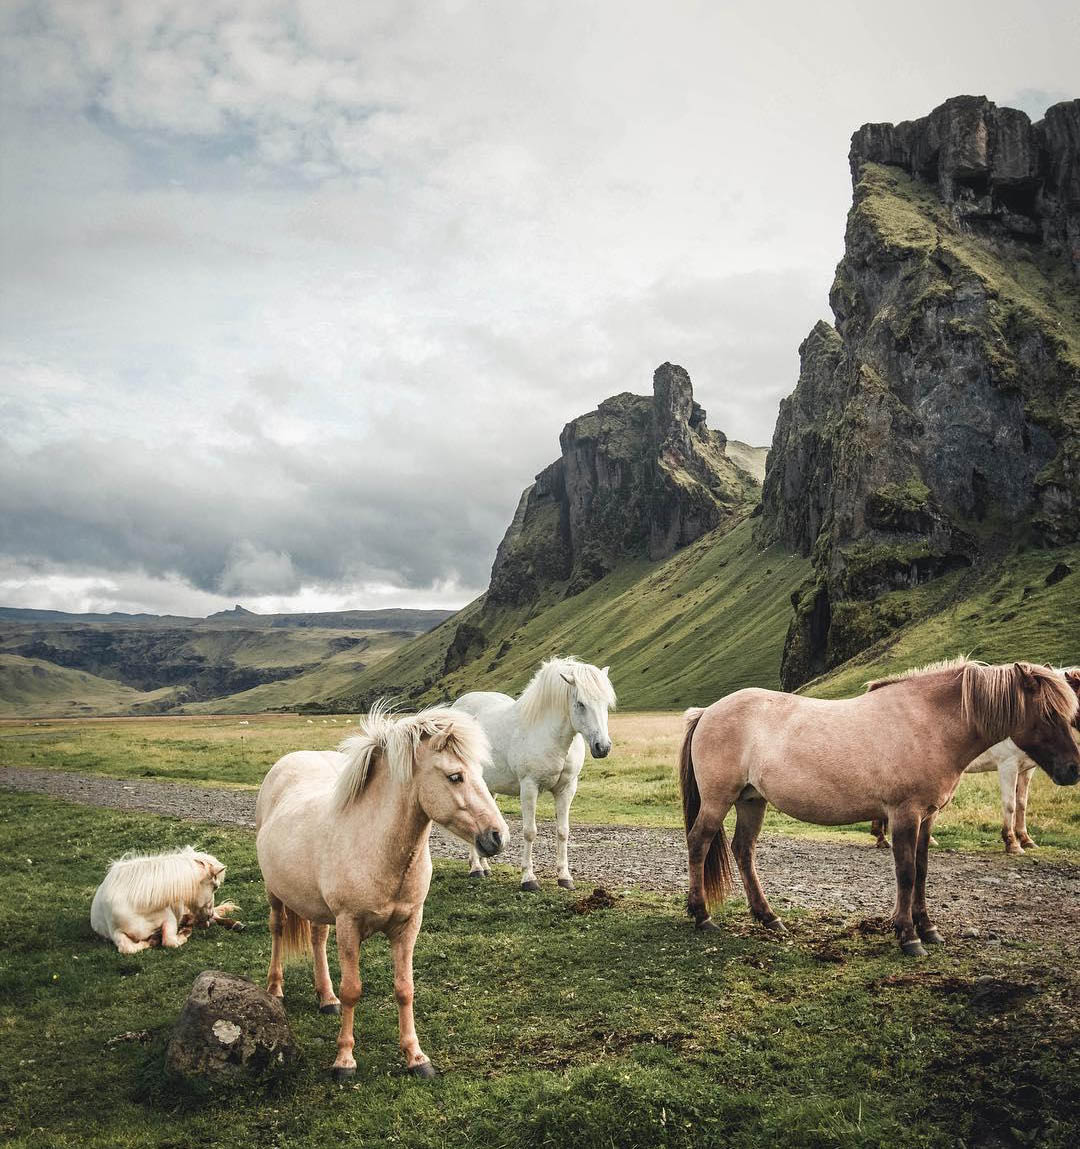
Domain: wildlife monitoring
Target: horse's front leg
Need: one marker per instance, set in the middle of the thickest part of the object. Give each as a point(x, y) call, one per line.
point(563, 797)
point(348, 944)
point(324, 987)
point(925, 928)
point(1023, 784)
point(172, 936)
point(905, 840)
point(477, 868)
point(402, 943)
point(529, 794)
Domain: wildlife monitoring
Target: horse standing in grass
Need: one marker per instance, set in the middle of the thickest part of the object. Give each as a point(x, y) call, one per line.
point(897, 751)
point(538, 743)
point(1014, 769)
point(155, 899)
point(342, 840)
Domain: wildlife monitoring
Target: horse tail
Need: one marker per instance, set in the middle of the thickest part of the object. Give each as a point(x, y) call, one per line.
point(718, 877)
point(295, 933)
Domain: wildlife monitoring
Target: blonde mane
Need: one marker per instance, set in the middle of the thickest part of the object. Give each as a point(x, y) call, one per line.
point(150, 881)
point(993, 698)
point(548, 691)
point(396, 741)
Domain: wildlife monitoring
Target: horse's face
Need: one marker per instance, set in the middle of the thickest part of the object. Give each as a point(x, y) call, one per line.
point(589, 718)
point(1049, 738)
point(454, 794)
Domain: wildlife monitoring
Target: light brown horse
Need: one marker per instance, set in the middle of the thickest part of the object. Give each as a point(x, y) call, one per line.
point(343, 841)
point(897, 751)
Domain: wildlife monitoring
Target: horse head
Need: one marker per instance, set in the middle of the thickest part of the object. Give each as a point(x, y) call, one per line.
point(591, 696)
point(1048, 716)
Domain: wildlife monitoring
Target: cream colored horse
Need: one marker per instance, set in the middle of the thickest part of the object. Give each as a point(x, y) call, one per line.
point(898, 751)
point(342, 840)
point(155, 899)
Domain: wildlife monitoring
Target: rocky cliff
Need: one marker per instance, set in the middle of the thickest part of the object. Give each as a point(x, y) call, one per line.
point(639, 476)
point(938, 419)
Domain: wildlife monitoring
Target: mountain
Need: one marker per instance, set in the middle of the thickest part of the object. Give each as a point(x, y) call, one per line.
point(935, 425)
point(53, 663)
point(922, 492)
point(632, 548)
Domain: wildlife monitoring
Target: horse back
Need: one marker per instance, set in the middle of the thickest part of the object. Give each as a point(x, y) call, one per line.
point(303, 773)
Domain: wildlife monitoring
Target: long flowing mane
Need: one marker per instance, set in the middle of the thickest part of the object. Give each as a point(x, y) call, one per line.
point(153, 880)
point(395, 742)
point(548, 691)
point(993, 698)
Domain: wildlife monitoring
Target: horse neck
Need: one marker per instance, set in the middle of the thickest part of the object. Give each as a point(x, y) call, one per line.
point(390, 818)
point(960, 735)
point(554, 727)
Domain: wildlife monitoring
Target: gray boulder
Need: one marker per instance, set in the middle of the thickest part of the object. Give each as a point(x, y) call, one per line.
point(229, 1028)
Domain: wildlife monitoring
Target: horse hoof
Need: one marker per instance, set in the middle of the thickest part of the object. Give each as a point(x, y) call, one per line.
point(776, 925)
point(238, 927)
point(530, 887)
point(425, 1069)
point(707, 926)
point(477, 874)
point(566, 883)
point(882, 844)
point(913, 949)
point(932, 937)
point(343, 1072)
point(333, 1007)
point(1028, 844)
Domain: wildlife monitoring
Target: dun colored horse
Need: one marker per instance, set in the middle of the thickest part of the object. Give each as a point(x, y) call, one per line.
point(343, 841)
point(897, 751)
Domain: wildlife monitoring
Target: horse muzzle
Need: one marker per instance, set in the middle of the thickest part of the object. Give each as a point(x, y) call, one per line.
point(490, 842)
point(1066, 774)
point(601, 749)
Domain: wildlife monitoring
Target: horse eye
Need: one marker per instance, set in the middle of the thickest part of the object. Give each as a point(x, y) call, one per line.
point(455, 778)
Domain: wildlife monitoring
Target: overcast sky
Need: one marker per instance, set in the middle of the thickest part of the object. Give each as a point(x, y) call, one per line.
point(297, 296)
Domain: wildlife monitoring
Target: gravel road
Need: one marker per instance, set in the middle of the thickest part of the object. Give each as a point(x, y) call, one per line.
point(1003, 898)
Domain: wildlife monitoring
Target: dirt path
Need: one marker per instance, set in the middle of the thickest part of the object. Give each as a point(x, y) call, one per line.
point(1002, 897)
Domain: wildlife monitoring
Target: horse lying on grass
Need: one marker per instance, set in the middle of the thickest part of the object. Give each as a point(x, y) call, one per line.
point(1014, 769)
point(897, 751)
point(342, 840)
point(155, 899)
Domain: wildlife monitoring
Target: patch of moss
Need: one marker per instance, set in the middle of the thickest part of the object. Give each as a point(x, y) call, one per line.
point(900, 507)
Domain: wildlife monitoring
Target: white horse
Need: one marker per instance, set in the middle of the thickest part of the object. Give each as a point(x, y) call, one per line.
point(538, 743)
point(151, 899)
point(342, 840)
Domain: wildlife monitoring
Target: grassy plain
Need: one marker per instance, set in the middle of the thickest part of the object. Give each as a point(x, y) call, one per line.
point(550, 1028)
point(636, 785)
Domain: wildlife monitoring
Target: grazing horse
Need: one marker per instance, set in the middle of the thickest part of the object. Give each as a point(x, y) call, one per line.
point(538, 743)
point(897, 751)
point(155, 899)
point(1014, 769)
point(342, 840)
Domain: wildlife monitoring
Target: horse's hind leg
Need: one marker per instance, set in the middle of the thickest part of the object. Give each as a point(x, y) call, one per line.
point(1007, 781)
point(878, 827)
point(926, 929)
point(476, 863)
point(699, 840)
point(275, 977)
point(1023, 782)
point(126, 945)
point(749, 816)
point(324, 987)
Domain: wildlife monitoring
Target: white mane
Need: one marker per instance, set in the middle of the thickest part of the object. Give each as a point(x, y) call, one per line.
point(397, 740)
point(548, 692)
point(149, 881)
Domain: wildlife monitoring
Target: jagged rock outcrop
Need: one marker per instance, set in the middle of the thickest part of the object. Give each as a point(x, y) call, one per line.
point(940, 417)
point(639, 476)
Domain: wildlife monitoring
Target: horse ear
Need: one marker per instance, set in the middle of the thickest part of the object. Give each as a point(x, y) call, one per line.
point(1072, 677)
point(1028, 682)
point(567, 678)
point(217, 873)
point(604, 670)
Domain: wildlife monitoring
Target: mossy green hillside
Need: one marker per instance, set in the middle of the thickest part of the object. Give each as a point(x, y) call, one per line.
point(708, 621)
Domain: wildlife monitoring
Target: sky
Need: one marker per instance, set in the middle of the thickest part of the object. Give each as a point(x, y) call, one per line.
point(296, 297)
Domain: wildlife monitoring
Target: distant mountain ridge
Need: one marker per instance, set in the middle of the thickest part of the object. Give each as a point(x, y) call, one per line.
point(389, 618)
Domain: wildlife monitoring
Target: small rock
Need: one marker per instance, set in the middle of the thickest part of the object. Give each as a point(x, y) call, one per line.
point(229, 1027)
point(1062, 570)
point(969, 932)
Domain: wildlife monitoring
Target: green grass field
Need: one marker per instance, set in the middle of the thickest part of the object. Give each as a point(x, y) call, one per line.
point(636, 785)
point(618, 1028)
